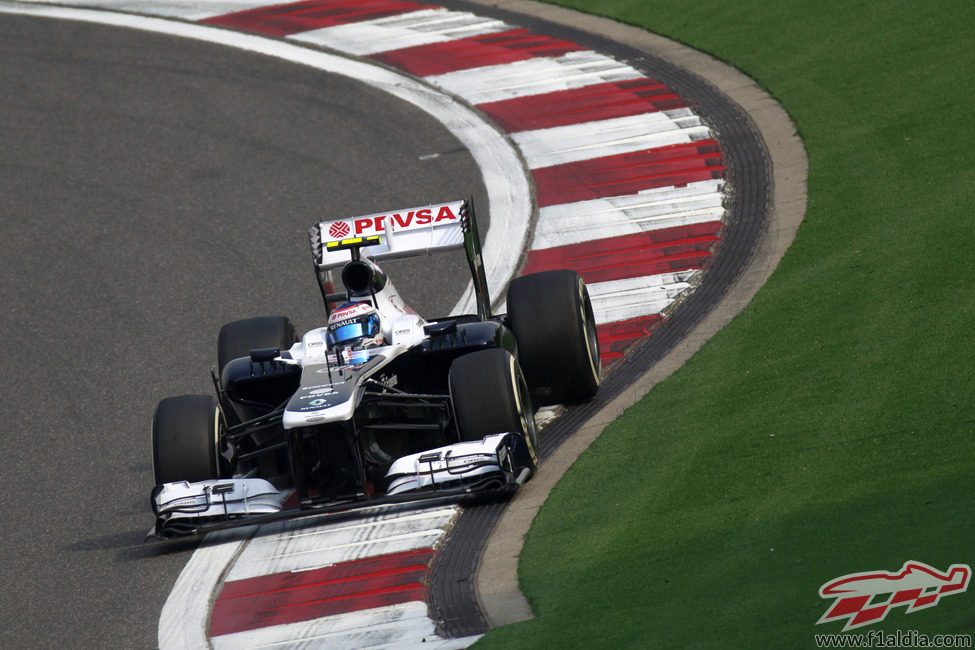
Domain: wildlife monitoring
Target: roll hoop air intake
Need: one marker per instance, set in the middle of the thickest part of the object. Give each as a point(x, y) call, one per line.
point(363, 278)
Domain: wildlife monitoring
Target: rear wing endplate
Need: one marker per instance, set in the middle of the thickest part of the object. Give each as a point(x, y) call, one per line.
point(399, 234)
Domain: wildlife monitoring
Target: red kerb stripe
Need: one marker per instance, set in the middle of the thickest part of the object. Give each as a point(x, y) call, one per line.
point(616, 338)
point(303, 595)
point(282, 20)
point(475, 52)
point(631, 256)
point(629, 173)
point(586, 104)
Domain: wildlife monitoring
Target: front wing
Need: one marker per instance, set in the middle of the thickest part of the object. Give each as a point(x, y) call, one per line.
point(495, 465)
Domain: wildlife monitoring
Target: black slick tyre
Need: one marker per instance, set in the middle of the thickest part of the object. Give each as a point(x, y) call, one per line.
point(490, 395)
point(239, 337)
point(185, 439)
point(552, 319)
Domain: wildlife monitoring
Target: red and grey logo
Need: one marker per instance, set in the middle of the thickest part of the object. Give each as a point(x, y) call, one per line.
point(865, 598)
point(339, 229)
point(349, 313)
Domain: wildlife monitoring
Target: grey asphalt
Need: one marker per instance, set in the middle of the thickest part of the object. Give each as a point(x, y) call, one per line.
point(152, 189)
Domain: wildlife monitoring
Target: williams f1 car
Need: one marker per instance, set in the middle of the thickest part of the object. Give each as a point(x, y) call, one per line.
point(380, 405)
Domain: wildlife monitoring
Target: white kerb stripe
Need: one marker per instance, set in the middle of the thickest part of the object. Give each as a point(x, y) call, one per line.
point(404, 30)
point(619, 300)
point(323, 556)
point(573, 142)
point(654, 209)
point(278, 550)
point(533, 76)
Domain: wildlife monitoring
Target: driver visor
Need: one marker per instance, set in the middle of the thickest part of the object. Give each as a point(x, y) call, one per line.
point(354, 330)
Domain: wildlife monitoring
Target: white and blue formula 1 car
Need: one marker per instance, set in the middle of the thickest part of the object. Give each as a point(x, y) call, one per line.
point(380, 405)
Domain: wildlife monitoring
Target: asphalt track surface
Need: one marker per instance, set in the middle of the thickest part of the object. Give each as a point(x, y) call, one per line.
point(68, 587)
point(151, 189)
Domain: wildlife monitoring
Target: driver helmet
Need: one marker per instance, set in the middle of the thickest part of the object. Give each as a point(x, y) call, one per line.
point(354, 325)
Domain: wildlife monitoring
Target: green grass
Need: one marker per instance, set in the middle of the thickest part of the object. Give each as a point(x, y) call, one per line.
point(830, 428)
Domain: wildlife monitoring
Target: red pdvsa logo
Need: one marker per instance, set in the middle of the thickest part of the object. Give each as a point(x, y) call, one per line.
point(866, 598)
point(339, 229)
point(432, 217)
point(408, 219)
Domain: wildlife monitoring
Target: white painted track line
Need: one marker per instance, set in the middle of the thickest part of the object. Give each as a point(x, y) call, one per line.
point(182, 9)
point(183, 620)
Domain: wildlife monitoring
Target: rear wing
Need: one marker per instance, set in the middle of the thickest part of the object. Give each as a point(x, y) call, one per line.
point(399, 234)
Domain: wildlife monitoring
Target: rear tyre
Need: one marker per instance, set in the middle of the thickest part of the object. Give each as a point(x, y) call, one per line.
point(185, 439)
point(238, 338)
point(490, 395)
point(552, 319)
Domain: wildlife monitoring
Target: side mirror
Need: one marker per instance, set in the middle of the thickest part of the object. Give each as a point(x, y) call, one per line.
point(262, 355)
point(440, 328)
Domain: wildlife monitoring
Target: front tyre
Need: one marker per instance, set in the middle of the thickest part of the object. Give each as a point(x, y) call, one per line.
point(490, 395)
point(185, 439)
point(239, 337)
point(552, 319)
